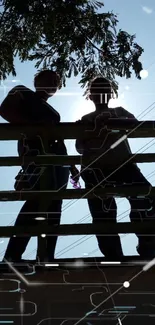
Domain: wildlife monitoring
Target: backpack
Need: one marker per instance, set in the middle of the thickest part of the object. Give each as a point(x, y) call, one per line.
point(22, 105)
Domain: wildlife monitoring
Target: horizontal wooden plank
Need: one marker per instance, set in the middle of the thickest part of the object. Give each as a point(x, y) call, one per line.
point(77, 293)
point(83, 229)
point(68, 160)
point(128, 261)
point(78, 131)
point(119, 191)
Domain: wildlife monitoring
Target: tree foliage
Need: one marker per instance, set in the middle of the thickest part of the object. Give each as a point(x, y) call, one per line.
point(68, 36)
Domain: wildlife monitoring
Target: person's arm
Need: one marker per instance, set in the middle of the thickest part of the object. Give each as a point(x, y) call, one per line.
point(79, 143)
point(44, 113)
point(75, 173)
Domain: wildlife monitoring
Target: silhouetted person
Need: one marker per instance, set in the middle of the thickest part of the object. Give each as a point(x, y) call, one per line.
point(36, 110)
point(109, 166)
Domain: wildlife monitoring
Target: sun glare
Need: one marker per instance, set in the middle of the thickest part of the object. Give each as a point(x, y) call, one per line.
point(114, 102)
point(82, 107)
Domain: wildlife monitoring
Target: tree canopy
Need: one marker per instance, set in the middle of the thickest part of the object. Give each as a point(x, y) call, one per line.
point(71, 37)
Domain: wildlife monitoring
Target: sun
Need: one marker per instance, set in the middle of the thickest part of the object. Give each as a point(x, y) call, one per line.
point(144, 74)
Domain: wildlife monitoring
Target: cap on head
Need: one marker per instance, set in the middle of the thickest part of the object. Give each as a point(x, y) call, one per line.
point(47, 81)
point(100, 90)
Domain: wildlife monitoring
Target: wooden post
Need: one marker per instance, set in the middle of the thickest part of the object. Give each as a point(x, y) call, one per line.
point(45, 182)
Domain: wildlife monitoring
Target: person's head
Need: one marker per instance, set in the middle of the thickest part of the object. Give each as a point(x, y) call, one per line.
point(100, 91)
point(46, 83)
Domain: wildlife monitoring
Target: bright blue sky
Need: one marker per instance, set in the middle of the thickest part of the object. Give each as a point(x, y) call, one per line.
point(135, 95)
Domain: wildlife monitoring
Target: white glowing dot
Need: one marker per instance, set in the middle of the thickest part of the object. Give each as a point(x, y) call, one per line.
point(127, 87)
point(85, 254)
point(43, 235)
point(40, 218)
point(126, 284)
point(144, 74)
point(2, 241)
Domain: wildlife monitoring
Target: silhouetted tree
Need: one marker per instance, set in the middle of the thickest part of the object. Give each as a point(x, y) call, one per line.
point(67, 36)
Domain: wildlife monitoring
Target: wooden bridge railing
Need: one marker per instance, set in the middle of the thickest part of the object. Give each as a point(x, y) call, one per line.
point(75, 131)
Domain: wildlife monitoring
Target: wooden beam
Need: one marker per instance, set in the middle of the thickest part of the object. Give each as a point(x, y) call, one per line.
point(68, 160)
point(119, 191)
point(83, 229)
point(78, 131)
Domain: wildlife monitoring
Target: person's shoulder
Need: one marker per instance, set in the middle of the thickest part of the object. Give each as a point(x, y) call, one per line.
point(49, 110)
point(119, 110)
point(89, 116)
point(122, 112)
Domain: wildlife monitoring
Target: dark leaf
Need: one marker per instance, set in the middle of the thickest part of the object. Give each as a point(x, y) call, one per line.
point(69, 37)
